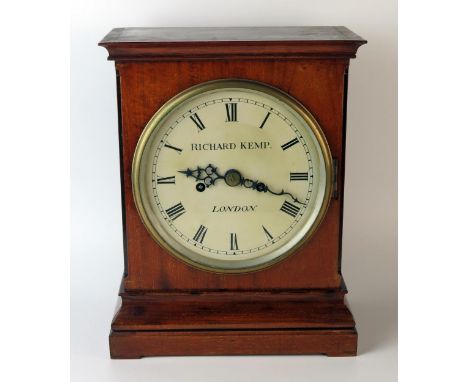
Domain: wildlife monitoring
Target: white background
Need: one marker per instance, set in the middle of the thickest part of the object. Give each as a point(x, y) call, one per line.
point(34, 208)
point(34, 205)
point(369, 252)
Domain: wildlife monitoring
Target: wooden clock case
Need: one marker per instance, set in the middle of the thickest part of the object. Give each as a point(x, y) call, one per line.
point(296, 306)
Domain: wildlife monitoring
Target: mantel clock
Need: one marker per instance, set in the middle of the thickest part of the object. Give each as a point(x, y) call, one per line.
point(232, 149)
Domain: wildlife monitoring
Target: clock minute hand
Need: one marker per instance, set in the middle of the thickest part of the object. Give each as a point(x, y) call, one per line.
point(234, 178)
point(262, 187)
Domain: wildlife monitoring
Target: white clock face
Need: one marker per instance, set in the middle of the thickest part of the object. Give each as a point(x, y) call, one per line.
point(231, 176)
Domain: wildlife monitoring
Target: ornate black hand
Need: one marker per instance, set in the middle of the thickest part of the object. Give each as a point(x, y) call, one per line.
point(262, 187)
point(209, 175)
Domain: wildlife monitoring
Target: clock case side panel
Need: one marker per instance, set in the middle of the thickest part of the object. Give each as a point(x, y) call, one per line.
point(122, 177)
point(144, 87)
point(341, 165)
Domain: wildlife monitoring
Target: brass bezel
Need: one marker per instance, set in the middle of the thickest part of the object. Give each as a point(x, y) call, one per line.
point(183, 96)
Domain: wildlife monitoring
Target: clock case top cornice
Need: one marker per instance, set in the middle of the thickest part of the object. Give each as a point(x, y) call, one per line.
point(161, 44)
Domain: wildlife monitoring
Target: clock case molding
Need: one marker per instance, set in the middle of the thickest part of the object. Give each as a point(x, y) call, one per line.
point(296, 306)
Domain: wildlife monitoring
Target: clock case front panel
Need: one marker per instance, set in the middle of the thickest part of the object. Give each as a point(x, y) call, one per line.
point(145, 87)
point(293, 307)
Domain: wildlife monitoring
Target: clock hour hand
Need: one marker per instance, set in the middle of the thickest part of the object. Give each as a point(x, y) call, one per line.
point(205, 176)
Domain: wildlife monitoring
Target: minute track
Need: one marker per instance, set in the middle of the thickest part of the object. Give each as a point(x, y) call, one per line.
point(259, 185)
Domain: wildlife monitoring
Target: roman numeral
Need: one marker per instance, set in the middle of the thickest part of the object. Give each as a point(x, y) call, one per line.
point(234, 246)
point(268, 234)
point(200, 235)
point(264, 121)
point(173, 148)
point(290, 209)
point(175, 211)
point(166, 180)
point(298, 176)
point(289, 144)
point(231, 110)
point(196, 119)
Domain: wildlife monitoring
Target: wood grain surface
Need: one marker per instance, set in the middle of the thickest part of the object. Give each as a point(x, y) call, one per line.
point(145, 87)
point(133, 44)
point(257, 342)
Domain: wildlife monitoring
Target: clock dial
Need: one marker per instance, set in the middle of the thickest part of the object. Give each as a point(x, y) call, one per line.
point(231, 176)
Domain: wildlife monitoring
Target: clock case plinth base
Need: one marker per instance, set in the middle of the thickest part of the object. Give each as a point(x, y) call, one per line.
point(233, 323)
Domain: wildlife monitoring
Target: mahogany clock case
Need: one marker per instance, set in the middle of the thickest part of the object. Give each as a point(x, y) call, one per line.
point(294, 307)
